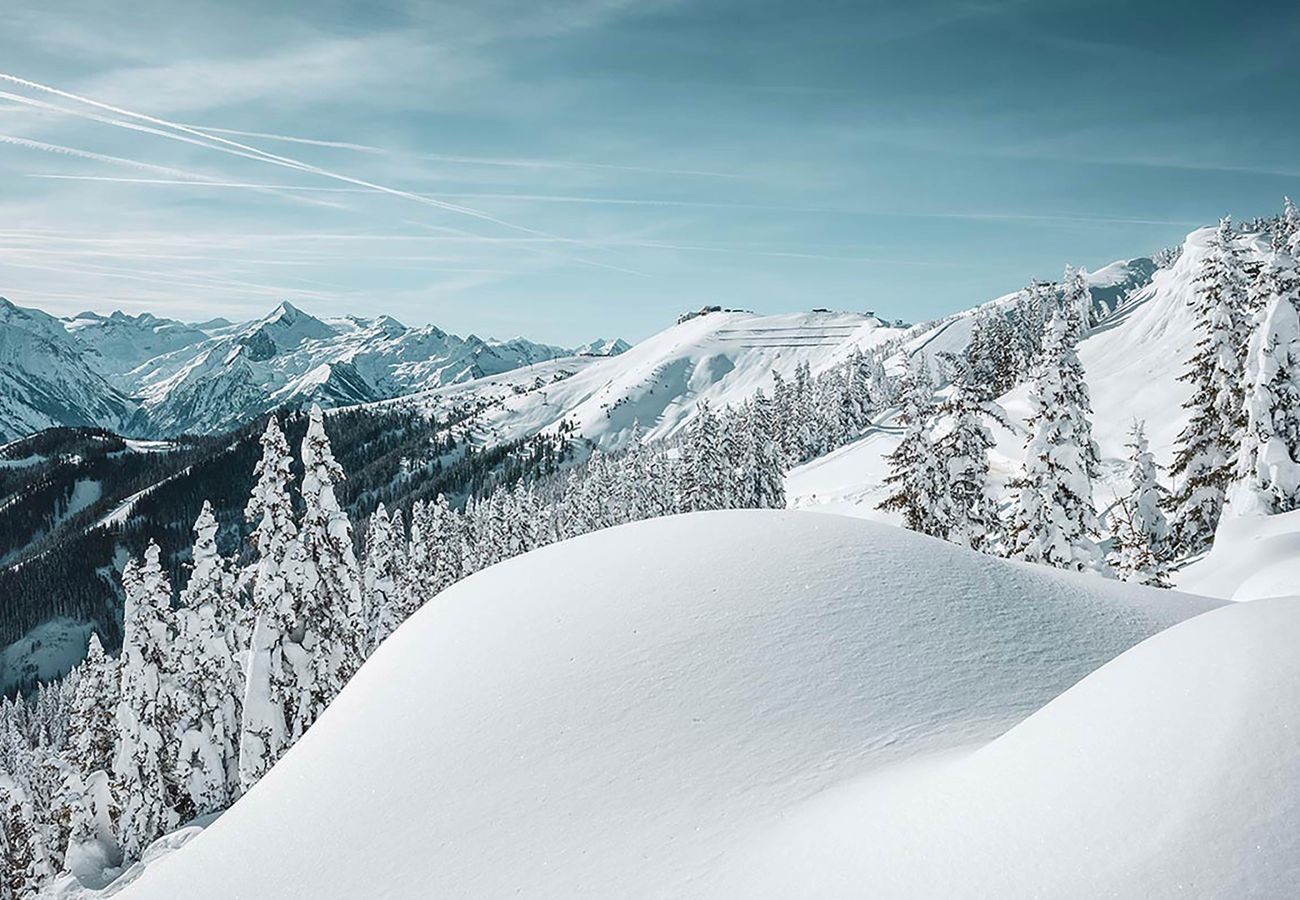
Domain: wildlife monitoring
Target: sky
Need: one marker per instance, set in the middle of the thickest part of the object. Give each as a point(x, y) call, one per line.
point(570, 169)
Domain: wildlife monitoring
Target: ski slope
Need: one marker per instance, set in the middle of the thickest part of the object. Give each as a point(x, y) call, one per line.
point(718, 358)
point(633, 713)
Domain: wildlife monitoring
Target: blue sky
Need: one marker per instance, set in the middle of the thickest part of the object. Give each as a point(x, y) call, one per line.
point(577, 168)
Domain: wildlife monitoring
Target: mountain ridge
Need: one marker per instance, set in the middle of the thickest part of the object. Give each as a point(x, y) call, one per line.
point(152, 376)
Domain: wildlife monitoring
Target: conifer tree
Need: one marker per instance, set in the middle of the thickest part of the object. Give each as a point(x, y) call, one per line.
point(145, 710)
point(1206, 457)
point(382, 576)
point(1141, 530)
point(209, 682)
point(763, 469)
point(92, 727)
point(915, 473)
point(269, 679)
point(703, 464)
point(330, 590)
point(1269, 468)
point(24, 856)
point(967, 511)
point(1054, 519)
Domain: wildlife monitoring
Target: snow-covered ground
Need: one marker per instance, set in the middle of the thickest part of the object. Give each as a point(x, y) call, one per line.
point(658, 710)
point(45, 652)
point(719, 358)
point(1132, 361)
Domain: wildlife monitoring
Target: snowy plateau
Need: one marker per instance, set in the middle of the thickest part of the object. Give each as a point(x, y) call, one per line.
point(701, 702)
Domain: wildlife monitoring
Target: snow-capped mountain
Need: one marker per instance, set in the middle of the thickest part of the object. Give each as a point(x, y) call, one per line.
point(45, 380)
point(719, 358)
point(150, 376)
point(601, 347)
point(119, 342)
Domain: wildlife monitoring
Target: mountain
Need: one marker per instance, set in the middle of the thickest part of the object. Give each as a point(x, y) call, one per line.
point(290, 358)
point(154, 377)
point(720, 357)
point(46, 381)
point(755, 676)
point(118, 342)
point(601, 347)
point(659, 384)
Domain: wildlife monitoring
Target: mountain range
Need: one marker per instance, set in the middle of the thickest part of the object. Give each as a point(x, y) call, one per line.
point(151, 377)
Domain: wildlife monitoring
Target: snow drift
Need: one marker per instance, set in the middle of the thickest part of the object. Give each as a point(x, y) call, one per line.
point(1172, 771)
point(628, 713)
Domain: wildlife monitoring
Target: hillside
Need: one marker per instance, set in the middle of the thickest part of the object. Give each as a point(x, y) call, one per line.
point(717, 358)
point(530, 733)
point(1132, 361)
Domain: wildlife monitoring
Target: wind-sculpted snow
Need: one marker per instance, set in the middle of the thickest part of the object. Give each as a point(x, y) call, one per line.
point(1170, 772)
point(629, 713)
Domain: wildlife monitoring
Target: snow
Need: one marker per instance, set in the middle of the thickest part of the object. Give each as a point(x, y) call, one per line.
point(1168, 772)
point(536, 731)
point(46, 652)
point(720, 358)
point(1132, 361)
point(1252, 557)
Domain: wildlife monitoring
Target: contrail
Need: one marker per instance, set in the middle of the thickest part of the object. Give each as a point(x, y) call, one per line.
point(472, 160)
point(238, 149)
point(82, 114)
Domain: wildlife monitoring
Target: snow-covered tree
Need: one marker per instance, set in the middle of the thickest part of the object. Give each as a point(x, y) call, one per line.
point(92, 728)
point(1269, 467)
point(382, 576)
point(270, 681)
point(208, 678)
point(967, 512)
point(763, 473)
point(1054, 520)
point(704, 466)
point(915, 473)
point(145, 710)
point(24, 856)
point(1206, 457)
point(330, 589)
point(1142, 549)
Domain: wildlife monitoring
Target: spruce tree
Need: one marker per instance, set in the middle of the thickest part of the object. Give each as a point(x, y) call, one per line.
point(763, 469)
point(1269, 468)
point(1054, 520)
point(269, 680)
point(330, 589)
point(915, 473)
point(967, 512)
point(145, 710)
point(92, 726)
point(1142, 550)
point(207, 763)
point(382, 577)
point(1206, 457)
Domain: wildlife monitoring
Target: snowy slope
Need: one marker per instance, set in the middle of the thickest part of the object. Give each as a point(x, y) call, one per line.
point(44, 381)
point(1132, 362)
point(720, 358)
point(1170, 772)
point(532, 733)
